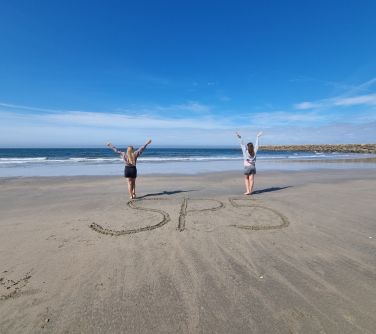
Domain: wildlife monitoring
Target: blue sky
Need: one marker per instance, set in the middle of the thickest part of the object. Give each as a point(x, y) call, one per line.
point(81, 73)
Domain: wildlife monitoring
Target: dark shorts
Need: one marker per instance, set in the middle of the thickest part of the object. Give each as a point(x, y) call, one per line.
point(250, 170)
point(130, 171)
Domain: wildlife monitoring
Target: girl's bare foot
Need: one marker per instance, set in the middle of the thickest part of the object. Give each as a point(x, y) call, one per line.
point(247, 193)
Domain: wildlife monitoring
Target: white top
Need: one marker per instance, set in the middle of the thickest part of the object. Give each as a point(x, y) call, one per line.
point(248, 159)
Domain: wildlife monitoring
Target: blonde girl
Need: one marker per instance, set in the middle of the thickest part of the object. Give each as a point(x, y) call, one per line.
point(130, 160)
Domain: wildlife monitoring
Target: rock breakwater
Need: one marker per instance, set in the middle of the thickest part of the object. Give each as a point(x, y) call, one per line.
point(349, 148)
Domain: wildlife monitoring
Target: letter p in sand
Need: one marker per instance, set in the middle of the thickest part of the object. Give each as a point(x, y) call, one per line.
point(184, 211)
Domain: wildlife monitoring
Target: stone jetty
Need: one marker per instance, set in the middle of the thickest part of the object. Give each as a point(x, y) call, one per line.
point(350, 148)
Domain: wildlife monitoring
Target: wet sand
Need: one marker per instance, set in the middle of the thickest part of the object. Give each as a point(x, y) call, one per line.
point(192, 255)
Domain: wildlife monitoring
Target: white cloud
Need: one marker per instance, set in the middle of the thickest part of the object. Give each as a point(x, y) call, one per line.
point(306, 105)
point(369, 100)
point(351, 97)
point(200, 125)
point(111, 120)
point(359, 100)
point(17, 107)
point(192, 106)
point(338, 133)
point(284, 117)
point(224, 98)
point(173, 109)
point(125, 121)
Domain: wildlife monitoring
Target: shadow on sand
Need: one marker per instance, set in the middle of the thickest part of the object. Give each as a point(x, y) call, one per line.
point(172, 192)
point(267, 190)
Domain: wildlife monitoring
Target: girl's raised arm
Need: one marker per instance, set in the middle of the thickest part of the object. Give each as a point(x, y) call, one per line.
point(112, 147)
point(257, 141)
point(242, 145)
point(142, 148)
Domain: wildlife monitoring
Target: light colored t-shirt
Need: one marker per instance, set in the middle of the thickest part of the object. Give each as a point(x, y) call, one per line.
point(248, 159)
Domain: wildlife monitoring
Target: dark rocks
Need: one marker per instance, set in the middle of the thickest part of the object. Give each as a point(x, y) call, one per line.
point(350, 148)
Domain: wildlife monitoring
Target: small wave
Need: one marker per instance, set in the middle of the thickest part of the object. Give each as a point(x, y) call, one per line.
point(304, 157)
point(103, 160)
point(159, 159)
point(92, 159)
point(21, 160)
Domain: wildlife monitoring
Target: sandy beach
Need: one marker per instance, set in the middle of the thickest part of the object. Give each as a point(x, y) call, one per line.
point(191, 255)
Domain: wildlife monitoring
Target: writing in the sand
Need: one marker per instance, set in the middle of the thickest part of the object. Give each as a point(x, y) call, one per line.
point(185, 212)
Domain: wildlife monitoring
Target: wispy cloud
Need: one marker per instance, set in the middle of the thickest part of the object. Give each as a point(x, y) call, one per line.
point(285, 117)
point(132, 117)
point(307, 105)
point(348, 99)
point(365, 86)
point(191, 106)
point(369, 100)
point(359, 100)
point(125, 121)
point(17, 107)
point(345, 87)
point(224, 98)
point(29, 126)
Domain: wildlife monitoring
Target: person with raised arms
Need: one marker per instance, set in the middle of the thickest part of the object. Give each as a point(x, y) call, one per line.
point(249, 156)
point(130, 160)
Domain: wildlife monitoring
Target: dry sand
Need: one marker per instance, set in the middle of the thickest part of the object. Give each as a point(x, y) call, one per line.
point(301, 257)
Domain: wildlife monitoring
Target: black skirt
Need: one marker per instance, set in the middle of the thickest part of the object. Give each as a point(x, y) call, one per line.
point(250, 170)
point(130, 171)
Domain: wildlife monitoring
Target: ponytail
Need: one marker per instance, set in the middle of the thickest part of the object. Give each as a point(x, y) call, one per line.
point(130, 156)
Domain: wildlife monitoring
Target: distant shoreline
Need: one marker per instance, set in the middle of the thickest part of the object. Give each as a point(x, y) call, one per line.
point(349, 148)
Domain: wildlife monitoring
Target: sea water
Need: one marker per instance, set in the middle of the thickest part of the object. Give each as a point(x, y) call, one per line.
point(103, 161)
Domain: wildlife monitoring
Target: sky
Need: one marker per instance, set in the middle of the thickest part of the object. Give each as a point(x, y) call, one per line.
point(186, 73)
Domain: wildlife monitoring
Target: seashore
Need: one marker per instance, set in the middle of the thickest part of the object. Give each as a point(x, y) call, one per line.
point(295, 257)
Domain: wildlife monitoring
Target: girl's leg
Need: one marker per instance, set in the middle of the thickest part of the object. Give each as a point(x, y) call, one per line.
point(251, 182)
point(129, 180)
point(247, 189)
point(134, 188)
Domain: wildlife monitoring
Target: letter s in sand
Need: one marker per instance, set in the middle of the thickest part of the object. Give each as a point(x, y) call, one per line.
point(132, 204)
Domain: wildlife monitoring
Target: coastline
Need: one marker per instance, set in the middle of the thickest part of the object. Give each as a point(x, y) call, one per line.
point(186, 167)
point(297, 256)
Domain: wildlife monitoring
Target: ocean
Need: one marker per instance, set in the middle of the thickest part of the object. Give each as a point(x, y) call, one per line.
point(103, 161)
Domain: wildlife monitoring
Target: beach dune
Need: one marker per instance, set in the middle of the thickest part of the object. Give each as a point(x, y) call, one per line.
point(191, 255)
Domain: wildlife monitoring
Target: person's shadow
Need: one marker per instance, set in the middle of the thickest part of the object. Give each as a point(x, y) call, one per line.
point(267, 190)
point(171, 192)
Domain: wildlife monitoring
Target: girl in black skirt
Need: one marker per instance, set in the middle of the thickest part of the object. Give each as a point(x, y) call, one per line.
point(130, 160)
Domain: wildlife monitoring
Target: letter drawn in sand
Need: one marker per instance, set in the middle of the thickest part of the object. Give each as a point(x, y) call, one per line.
point(184, 211)
point(132, 204)
point(284, 222)
point(10, 288)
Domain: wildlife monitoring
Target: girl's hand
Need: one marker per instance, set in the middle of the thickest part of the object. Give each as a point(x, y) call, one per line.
point(148, 142)
point(237, 133)
point(109, 145)
point(259, 134)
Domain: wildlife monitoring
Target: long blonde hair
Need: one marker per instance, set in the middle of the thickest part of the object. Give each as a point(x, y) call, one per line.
point(130, 155)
